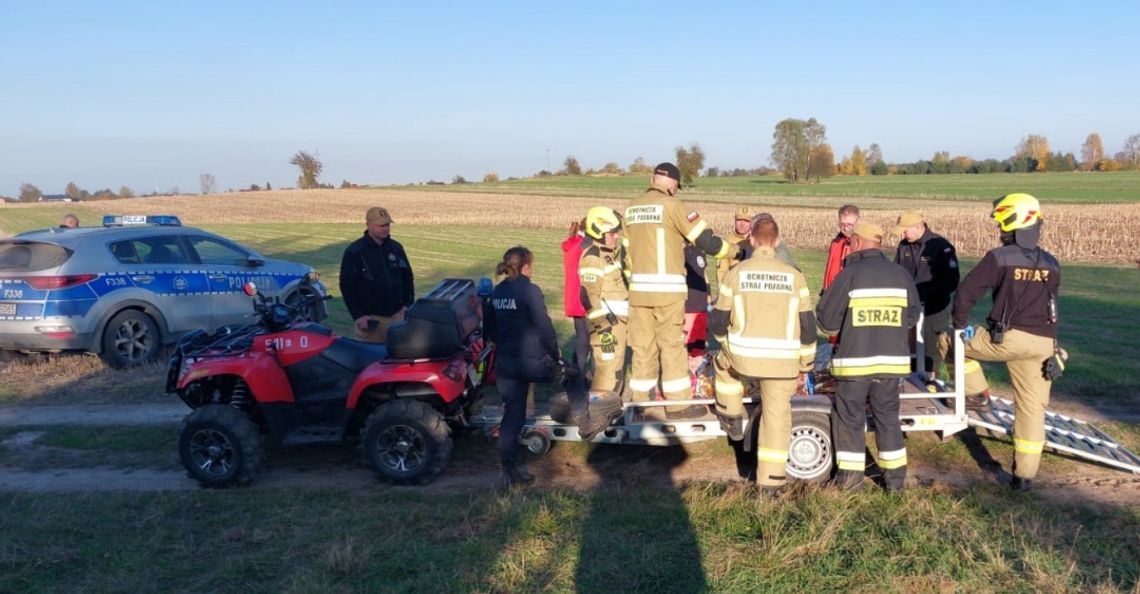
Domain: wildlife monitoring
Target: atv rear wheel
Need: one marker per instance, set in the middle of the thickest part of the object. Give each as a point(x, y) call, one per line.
point(406, 442)
point(810, 454)
point(219, 446)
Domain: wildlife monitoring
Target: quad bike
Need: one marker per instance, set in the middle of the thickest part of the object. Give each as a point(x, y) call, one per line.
point(294, 382)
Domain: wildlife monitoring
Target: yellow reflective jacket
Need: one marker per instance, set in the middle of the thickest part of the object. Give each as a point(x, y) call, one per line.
point(603, 285)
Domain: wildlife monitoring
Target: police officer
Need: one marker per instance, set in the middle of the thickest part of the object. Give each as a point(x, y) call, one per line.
point(1021, 326)
point(932, 263)
point(657, 226)
point(605, 297)
point(872, 304)
point(764, 323)
point(376, 278)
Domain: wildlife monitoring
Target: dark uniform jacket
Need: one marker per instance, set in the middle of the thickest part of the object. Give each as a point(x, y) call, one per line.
point(697, 280)
point(375, 278)
point(873, 304)
point(933, 265)
point(1023, 281)
point(524, 334)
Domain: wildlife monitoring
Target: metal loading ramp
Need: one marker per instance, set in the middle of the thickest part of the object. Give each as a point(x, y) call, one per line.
point(1062, 434)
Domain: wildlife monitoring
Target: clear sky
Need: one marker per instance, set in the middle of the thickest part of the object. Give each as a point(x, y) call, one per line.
point(154, 93)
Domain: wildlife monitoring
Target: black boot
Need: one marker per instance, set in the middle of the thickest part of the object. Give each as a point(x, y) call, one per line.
point(733, 425)
point(1021, 484)
point(514, 476)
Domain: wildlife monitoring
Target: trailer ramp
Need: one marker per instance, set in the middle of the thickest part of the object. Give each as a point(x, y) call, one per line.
point(1063, 434)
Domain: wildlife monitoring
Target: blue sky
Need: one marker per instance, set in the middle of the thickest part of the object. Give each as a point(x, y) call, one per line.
point(149, 94)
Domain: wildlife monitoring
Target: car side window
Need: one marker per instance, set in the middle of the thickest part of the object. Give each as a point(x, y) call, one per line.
point(161, 250)
point(212, 251)
point(125, 253)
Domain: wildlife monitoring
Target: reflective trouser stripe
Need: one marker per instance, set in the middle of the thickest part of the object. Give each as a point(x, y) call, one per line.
point(1026, 446)
point(870, 370)
point(892, 459)
point(729, 389)
point(851, 460)
point(676, 384)
point(770, 455)
point(642, 385)
point(972, 366)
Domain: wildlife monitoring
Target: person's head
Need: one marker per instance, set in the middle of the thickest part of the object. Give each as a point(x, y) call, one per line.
point(379, 223)
point(516, 261)
point(848, 217)
point(603, 224)
point(764, 216)
point(866, 236)
point(743, 222)
point(667, 176)
point(765, 233)
point(910, 226)
point(69, 221)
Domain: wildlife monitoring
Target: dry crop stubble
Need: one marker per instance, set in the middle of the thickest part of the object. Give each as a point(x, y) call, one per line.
point(1087, 233)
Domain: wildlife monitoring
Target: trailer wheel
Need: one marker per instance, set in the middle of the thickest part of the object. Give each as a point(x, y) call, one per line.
point(810, 454)
point(536, 442)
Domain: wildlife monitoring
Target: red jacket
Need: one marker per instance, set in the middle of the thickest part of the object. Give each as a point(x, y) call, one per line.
point(571, 284)
point(839, 249)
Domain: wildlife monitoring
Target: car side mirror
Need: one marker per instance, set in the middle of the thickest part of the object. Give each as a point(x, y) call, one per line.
point(254, 262)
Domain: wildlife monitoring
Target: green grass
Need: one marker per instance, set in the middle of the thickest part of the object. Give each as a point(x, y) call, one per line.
point(1098, 188)
point(64, 446)
point(621, 538)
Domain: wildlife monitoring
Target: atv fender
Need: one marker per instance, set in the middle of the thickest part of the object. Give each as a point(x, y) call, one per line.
point(407, 372)
point(260, 371)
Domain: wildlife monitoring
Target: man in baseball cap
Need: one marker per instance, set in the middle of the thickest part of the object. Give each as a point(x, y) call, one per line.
point(933, 265)
point(376, 278)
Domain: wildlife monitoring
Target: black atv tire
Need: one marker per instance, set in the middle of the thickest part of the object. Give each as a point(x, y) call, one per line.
point(406, 442)
point(130, 339)
point(220, 447)
point(811, 453)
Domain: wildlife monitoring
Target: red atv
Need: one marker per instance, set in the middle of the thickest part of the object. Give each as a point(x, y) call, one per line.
point(297, 383)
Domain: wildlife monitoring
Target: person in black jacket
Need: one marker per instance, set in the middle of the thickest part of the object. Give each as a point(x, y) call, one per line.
point(376, 278)
point(933, 264)
point(872, 304)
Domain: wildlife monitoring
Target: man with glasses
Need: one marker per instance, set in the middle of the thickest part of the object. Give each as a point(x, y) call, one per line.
point(841, 245)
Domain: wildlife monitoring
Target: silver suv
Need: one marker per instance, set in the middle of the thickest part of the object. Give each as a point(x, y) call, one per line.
point(125, 289)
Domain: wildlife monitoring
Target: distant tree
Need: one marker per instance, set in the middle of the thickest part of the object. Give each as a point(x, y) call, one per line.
point(72, 191)
point(1092, 152)
point(940, 162)
point(207, 183)
point(874, 156)
point(104, 194)
point(174, 191)
point(125, 192)
point(459, 179)
point(821, 163)
point(638, 167)
point(961, 164)
point(690, 161)
point(344, 184)
point(543, 173)
point(858, 161)
point(794, 143)
point(712, 172)
point(1108, 165)
point(268, 186)
point(611, 168)
point(1036, 147)
point(310, 166)
point(1061, 162)
point(571, 167)
point(1130, 156)
point(491, 178)
point(30, 193)
point(254, 188)
point(880, 168)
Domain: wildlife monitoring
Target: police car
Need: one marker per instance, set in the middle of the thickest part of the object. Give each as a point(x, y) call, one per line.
point(124, 289)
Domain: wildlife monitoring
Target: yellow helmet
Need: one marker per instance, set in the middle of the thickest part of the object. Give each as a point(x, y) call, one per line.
point(601, 220)
point(1016, 211)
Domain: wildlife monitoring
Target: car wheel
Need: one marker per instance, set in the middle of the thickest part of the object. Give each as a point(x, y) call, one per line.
point(810, 454)
point(406, 441)
point(131, 338)
point(219, 446)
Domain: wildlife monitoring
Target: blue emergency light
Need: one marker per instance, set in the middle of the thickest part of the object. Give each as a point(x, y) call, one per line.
point(125, 220)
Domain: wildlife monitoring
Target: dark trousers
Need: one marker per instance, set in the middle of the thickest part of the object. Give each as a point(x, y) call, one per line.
point(513, 392)
point(850, 418)
point(581, 342)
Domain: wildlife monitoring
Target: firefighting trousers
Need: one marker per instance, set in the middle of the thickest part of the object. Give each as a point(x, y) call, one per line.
point(609, 359)
point(775, 418)
point(656, 337)
point(1024, 354)
point(849, 422)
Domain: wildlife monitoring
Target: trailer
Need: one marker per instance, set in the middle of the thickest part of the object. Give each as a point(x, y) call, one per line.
point(924, 406)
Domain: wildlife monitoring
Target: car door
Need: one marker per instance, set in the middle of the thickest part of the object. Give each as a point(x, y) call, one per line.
point(163, 267)
point(228, 267)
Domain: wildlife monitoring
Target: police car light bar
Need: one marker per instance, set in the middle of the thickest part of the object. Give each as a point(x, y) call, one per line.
point(124, 220)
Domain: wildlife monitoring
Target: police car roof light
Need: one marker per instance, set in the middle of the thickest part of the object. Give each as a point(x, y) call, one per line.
point(127, 220)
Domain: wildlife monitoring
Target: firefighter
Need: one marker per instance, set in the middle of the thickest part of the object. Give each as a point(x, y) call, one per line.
point(1021, 327)
point(657, 226)
point(764, 323)
point(840, 245)
point(605, 297)
point(933, 264)
point(872, 304)
point(742, 229)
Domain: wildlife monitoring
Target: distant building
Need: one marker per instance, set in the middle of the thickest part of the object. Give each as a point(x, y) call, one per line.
point(55, 198)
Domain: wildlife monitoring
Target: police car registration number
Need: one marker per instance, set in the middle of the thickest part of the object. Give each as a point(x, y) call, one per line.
point(7, 309)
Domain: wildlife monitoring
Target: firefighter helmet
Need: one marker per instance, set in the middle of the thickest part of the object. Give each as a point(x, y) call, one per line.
point(601, 220)
point(1016, 211)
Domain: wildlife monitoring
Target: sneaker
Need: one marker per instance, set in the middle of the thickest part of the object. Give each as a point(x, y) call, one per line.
point(694, 411)
point(1021, 484)
point(732, 425)
point(979, 402)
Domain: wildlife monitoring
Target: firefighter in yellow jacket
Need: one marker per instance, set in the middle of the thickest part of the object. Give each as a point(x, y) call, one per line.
point(657, 226)
point(765, 325)
point(605, 297)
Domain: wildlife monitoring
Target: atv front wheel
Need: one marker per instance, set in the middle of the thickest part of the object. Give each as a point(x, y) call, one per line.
point(219, 446)
point(406, 442)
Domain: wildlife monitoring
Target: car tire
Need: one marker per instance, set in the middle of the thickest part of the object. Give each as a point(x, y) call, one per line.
point(130, 339)
point(406, 442)
point(811, 453)
point(220, 447)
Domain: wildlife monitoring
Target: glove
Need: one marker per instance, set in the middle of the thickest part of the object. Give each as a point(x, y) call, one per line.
point(607, 340)
point(967, 333)
point(1055, 366)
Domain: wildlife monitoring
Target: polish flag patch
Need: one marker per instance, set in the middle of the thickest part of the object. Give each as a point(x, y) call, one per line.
point(692, 216)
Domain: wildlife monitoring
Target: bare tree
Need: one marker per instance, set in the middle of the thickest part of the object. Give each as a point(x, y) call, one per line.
point(73, 191)
point(1131, 153)
point(125, 192)
point(690, 161)
point(207, 183)
point(794, 141)
point(30, 193)
point(1092, 152)
point(571, 166)
point(310, 167)
point(874, 155)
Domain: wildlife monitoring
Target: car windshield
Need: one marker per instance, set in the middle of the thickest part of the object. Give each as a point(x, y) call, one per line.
point(28, 256)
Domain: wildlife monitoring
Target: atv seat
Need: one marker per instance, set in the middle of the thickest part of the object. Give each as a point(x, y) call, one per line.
point(355, 355)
